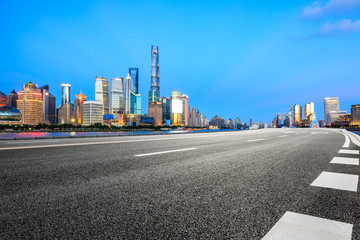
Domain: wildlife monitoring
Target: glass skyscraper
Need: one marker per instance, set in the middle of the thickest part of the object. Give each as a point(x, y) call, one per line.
point(176, 108)
point(117, 101)
point(330, 104)
point(134, 74)
point(128, 87)
point(65, 97)
point(154, 93)
point(102, 93)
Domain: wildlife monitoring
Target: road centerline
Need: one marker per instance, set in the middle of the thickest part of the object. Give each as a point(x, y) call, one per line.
point(170, 151)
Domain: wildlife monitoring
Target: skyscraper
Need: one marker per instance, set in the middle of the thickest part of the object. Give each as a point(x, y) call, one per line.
point(330, 104)
point(278, 120)
point(355, 114)
point(49, 100)
point(135, 103)
point(166, 114)
point(185, 110)
point(78, 107)
point(128, 87)
point(30, 103)
point(309, 111)
point(3, 99)
point(66, 93)
point(176, 108)
point(155, 107)
point(12, 98)
point(296, 114)
point(154, 93)
point(117, 98)
point(193, 117)
point(134, 74)
point(102, 93)
point(92, 112)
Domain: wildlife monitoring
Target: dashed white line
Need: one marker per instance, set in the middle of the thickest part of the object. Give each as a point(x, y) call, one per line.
point(298, 226)
point(344, 160)
point(170, 151)
point(340, 181)
point(283, 135)
point(349, 151)
point(255, 140)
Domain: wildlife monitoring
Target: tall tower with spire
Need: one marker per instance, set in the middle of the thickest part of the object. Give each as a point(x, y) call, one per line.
point(155, 107)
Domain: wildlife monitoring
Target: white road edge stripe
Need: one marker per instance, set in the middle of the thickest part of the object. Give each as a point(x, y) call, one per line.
point(170, 151)
point(353, 137)
point(254, 140)
point(347, 141)
point(298, 226)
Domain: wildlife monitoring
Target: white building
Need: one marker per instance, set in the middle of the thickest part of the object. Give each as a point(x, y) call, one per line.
point(92, 112)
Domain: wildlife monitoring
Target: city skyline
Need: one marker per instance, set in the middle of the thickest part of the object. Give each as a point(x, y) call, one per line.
point(260, 74)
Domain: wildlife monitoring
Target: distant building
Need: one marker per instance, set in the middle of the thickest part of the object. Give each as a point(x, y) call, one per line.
point(134, 74)
point(117, 98)
point(66, 93)
point(78, 108)
point(30, 103)
point(128, 87)
point(193, 117)
point(12, 98)
point(102, 93)
point(166, 114)
point(218, 122)
point(250, 122)
point(185, 110)
point(155, 111)
point(49, 109)
point(334, 116)
point(330, 104)
point(296, 113)
point(309, 111)
point(278, 120)
point(176, 108)
point(355, 115)
point(3, 99)
point(135, 103)
point(10, 115)
point(237, 123)
point(92, 112)
point(65, 113)
point(155, 106)
point(230, 123)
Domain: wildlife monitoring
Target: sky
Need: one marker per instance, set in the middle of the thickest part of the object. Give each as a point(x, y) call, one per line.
point(246, 59)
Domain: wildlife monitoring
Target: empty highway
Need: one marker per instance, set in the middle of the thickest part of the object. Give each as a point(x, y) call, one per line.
point(258, 184)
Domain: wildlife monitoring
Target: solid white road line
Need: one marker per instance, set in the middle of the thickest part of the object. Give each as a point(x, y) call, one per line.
point(340, 181)
point(344, 160)
point(349, 151)
point(353, 137)
point(155, 153)
point(298, 226)
point(32, 141)
point(283, 136)
point(347, 141)
point(255, 140)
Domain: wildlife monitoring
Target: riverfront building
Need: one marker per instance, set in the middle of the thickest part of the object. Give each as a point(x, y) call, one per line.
point(176, 108)
point(330, 104)
point(78, 108)
point(117, 101)
point(92, 112)
point(155, 106)
point(30, 103)
point(49, 106)
point(355, 115)
point(102, 93)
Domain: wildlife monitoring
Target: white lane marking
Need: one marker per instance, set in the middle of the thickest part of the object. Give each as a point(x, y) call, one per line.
point(320, 132)
point(112, 142)
point(347, 141)
point(344, 160)
point(155, 153)
point(288, 132)
point(298, 226)
point(349, 151)
point(255, 140)
point(353, 137)
point(340, 181)
point(297, 133)
point(283, 136)
point(32, 141)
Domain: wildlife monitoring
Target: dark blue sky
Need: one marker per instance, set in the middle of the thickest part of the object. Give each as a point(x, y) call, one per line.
point(247, 59)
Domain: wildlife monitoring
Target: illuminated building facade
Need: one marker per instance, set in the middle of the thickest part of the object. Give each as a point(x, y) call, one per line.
point(154, 93)
point(166, 114)
point(78, 108)
point(12, 98)
point(128, 88)
point(355, 114)
point(193, 117)
point(117, 101)
point(49, 111)
point(334, 116)
point(134, 74)
point(10, 115)
point(185, 110)
point(65, 113)
point(296, 113)
point(30, 103)
point(309, 111)
point(66, 93)
point(135, 103)
point(176, 108)
point(330, 104)
point(155, 111)
point(3, 99)
point(92, 112)
point(102, 93)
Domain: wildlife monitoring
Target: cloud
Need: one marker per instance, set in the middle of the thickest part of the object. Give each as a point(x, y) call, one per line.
point(342, 26)
point(317, 10)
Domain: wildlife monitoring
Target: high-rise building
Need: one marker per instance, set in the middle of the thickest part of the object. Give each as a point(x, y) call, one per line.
point(176, 108)
point(237, 123)
point(330, 104)
point(102, 93)
point(30, 103)
point(134, 74)
point(92, 112)
point(296, 114)
point(278, 120)
point(218, 122)
point(309, 111)
point(166, 114)
point(117, 98)
point(154, 93)
point(66, 93)
point(355, 115)
point(12, 98)
point(230, 123)
point(155, 106)
point(250, 122)
point(198, 123)
point(334, 116)
point(78, 108)
point(49, 100)
point(3, 99)
point(135, 103)
point(185, 110)
point(128, 87)
point(193, 117)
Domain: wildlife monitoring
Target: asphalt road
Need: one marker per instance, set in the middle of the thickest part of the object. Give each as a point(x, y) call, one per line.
point(226, 185)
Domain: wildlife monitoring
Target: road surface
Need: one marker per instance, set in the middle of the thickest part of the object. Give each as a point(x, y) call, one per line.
point(258, 184)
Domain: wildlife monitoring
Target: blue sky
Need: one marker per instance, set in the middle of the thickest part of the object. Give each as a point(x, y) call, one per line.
point(247, 59)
